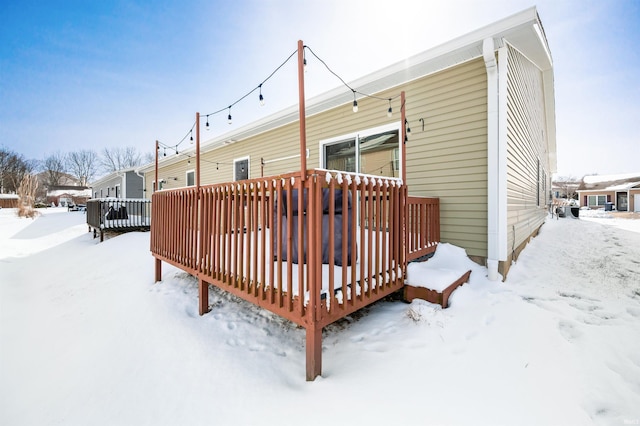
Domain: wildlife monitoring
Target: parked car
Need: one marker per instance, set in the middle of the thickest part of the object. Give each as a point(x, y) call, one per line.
point(77, 207)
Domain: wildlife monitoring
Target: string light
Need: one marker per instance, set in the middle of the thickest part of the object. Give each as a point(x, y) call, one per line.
point(261, 100)
point(304, 59)
point(355, 92)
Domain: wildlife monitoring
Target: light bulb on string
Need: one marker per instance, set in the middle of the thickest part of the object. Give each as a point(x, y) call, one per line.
point(406, 123)
point(390, 110)
point(261, 98)
point(164, 154)
point(191, 136)
point(355, 103)
point(207, 125)
point(229, 116)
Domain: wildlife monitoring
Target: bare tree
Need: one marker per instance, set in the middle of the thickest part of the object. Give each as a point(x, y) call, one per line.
point(83, 165)
point(114, 159)
point(568, 186)
point(54, 168)
point(13, 168)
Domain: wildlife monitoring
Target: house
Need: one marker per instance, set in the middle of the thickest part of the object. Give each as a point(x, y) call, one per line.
point(120, 184)
point(619, 192)
point(481, 136)
point(64, 195)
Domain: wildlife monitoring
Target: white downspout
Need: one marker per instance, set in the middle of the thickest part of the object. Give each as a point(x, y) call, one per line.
point(144, 186)
point(496, 165)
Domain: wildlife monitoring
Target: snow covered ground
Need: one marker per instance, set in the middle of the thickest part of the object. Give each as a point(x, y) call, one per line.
point(86, 337)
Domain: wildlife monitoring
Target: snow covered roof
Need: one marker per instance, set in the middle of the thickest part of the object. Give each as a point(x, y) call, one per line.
point(619, 182)
point(610, 178)
point(83, 192)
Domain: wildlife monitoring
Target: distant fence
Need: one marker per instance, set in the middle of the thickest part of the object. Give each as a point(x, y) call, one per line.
point(118, 214)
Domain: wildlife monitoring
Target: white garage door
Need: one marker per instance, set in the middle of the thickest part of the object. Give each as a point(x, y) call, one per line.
point(636, 202)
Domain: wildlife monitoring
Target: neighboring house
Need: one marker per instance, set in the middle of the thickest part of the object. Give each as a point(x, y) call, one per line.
point(482, 136)
point(64, 195)
point(65, 179)
point(121, 184)
point(9, 201)
point(617, 192)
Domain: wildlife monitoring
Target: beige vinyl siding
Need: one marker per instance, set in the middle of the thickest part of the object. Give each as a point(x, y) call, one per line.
point(448, 159)
point(527, 157)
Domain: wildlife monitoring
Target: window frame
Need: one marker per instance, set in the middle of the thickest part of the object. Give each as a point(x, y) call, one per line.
point(235, 163)
point(356, 136)
point(191, 172)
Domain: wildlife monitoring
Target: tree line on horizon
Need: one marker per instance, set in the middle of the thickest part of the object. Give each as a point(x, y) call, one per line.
point(83, 165)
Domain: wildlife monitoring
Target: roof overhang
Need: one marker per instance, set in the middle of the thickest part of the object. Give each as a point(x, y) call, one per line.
point(522, 30)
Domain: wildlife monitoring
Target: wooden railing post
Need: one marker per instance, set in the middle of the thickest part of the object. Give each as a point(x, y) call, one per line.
point(314, 352)
point(203, 297)
point(158, 270)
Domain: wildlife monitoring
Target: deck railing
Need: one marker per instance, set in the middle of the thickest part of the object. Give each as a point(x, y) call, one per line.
point(311, 250)
point(118, 214)
point(423, 226)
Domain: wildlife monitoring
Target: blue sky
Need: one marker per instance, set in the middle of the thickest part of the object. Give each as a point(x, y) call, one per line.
point(88, 75)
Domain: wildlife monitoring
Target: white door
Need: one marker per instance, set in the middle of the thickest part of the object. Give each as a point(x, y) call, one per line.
point(636, 202)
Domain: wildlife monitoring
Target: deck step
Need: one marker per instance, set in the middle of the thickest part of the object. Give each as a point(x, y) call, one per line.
point(433, 296)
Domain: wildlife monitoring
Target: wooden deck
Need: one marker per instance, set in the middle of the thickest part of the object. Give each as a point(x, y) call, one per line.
point(352, 236)
point(118, 215)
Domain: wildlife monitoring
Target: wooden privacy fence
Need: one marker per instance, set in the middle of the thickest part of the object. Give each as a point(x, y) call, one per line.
point(118, 214)
point(311, 250)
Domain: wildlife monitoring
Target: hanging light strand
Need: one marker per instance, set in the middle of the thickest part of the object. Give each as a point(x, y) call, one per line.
point(261, 98)
point(258, 87)
point(355, 92)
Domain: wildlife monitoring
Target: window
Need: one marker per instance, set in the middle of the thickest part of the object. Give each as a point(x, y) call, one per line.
point(118, 194)
point(374, 151)
point(191, 178)
point(341, 155)
point(596, 200)
point(241, 168)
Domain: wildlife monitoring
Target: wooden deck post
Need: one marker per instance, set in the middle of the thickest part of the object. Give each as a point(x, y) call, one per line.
point(158, 266)
point(203, 297)
point(314, 352)
point(302, 112)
